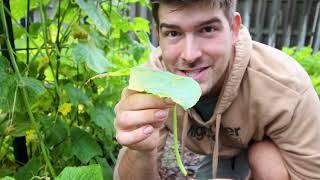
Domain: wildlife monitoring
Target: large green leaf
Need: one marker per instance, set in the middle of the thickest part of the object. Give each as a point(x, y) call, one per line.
point(77, 96)
point(140, 24)
point(55, 130)
point(10, 94)
point(7, 178)
point(106, 169)
point(143, 38)
point(21, 124)
point(92, 56)
point(15, 125)
point(182, 90)
point(34, 89)
point(29, 170)
point(5, 173)
point(102, 116)
point(84, 147)
point(5, 66)
point(81, 173)
point(7, 85)
point(95, 14)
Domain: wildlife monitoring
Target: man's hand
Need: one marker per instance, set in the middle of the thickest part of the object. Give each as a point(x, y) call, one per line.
point(138, 119)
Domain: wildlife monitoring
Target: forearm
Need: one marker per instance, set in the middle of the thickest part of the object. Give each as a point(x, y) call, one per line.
point(138, 165)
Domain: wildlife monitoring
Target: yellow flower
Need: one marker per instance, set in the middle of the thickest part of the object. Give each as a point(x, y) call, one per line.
point(65, 108)
point(81, 108)
point(30, 136)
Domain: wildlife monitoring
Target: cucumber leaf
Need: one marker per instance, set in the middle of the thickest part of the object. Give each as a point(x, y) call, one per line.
point(93, 171)
point(183, 90)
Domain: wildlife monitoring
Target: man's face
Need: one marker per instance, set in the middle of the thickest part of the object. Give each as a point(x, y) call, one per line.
point(197, 41)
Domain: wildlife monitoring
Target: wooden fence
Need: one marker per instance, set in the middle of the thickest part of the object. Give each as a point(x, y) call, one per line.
point(277, 23)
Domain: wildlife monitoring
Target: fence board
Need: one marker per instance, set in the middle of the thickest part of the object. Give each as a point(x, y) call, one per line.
point(247, 11)
point(259, 20)
point(288, 22)
point(314, 24)
point(306, 12)
point(316, 39)
point(273, 23)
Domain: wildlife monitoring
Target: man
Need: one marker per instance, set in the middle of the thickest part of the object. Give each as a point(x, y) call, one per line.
point(258, 116)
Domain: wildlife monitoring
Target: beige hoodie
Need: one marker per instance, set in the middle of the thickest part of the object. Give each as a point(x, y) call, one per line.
point(266, 94)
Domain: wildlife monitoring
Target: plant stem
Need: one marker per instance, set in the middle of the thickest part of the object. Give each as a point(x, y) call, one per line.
point(46, 35)
point(24, 93)
point(175, 140)
point(58, 42)
point(1, 141)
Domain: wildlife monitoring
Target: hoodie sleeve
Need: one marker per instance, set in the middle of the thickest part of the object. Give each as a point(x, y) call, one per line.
point(299, 140)
point(160, 150)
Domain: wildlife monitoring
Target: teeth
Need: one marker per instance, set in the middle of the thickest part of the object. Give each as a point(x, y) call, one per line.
point(192, 73)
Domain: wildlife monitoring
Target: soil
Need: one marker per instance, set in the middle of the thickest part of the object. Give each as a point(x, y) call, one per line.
point(169, 169)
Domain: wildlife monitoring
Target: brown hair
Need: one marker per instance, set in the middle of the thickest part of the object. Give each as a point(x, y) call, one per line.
point(228, 6)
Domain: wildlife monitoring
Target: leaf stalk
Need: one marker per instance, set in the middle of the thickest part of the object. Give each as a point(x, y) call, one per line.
point(175, 141)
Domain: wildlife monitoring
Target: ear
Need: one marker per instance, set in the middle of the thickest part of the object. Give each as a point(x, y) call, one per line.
point(235, 28)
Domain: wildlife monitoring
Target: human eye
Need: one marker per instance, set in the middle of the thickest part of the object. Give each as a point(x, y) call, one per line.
point(207, 29)
point(171, 34)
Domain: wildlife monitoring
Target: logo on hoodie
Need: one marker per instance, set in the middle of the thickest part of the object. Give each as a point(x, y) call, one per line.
point(199, 132)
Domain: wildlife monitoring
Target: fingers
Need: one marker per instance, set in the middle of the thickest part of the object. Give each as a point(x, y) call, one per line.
point(132, 137)
point(142, 139)
point(127, 92)
point(132, 119)
point(139, 117)
point(132, 100)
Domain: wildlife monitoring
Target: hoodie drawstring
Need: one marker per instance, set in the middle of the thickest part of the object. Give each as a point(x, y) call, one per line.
point(215, 156)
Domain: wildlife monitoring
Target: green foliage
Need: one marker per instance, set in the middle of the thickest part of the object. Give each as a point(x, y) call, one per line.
point(92, 56)
point(172, 85)
point(69, 97)
point(29, 170)
point(82, 173)
point(83, 146)
point(95, 14)
point(7, 178)
point(310, 62)
point(19, 8)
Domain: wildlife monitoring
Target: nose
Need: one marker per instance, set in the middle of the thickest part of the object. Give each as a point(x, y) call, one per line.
point(191, 50)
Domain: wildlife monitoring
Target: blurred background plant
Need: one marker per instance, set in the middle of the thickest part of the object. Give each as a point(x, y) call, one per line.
point(66, 119)
point(309, 60)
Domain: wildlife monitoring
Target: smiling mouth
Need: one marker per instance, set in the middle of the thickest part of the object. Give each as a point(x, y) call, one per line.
point(195, 74)
point(192, 73)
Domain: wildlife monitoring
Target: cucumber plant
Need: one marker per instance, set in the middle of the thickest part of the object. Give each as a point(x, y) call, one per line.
point(57, 46)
